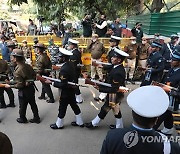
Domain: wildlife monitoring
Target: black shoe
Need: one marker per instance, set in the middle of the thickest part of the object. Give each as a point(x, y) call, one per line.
point(75, 124)
point(54, 126)
point(41, 97)
point(98, 99)
point(90, 125)
point(20, 120)
point(112, 126)
point(50, 101)
point(3, 106)
point(35, 120)
point(80, 102)
point(10, 105)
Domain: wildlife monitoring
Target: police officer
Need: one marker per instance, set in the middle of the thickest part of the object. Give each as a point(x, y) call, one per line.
point(44, 67)
point(4, 71)
point(141, 138)
point(67, 74)
point(172, 79)
point(168, 49)
point(76, 60)
point(155, 65)
point(24, 77)
point(116, 78)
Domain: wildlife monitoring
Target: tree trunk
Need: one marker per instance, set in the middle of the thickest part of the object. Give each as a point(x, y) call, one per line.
point(157, 5)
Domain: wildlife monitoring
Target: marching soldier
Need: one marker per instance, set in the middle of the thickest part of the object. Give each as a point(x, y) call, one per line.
point(24, 77)
point(155, 65)
point(4, 71)
point(43, 64)
point(116, 78)
point(172, 79)
point(76, 60)
point(114, 42)
point(168, 49)
point(67, 74)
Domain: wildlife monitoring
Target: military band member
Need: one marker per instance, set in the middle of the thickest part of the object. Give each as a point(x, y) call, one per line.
point(76, 60)
point(67, 74)
point(116, 77)
point(135, 139)
point(4, 71)
point(155, 65)
point(172, 79)
point(43, 63)
point(24, 76)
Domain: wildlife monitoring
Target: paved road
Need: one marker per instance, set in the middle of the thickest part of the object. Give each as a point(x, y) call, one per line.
point(41, 139)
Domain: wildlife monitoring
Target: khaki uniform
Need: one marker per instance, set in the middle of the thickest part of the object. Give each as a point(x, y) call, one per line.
point(24, 76)
point(27, 52)
point(97, 50)
point(43, 62)
point(4, 70)
point(131, 60)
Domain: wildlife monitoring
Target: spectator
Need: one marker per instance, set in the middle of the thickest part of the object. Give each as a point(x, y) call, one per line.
point(67, 35)
point(147, 104)
point(101, 26)
point(109, 32)
point(117, 27)
point(5, 144)
point(137, 32)
point(4, 49)
point(87, 29)
point(32, 28)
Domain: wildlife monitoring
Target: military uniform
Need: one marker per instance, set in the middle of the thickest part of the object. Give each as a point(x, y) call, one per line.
point(155, 62)
point(24, 76)
point(43, 62)
point(67, 74)
point(116, 77)
point(4, 70)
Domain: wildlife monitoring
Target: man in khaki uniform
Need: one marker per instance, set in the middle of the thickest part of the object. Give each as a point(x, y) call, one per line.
point(97, 49)
point(4, 71)
point(27, 52)
point(24, 76)
point(44, 66)
point(131, 49)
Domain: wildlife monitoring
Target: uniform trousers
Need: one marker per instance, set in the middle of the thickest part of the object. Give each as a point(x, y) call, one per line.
point(106, 108)
point(77, 90)
point(131, 67)
point(64, 102)
point(27, 96)
point(97, 69)
point(46, 88)
point(10, 95)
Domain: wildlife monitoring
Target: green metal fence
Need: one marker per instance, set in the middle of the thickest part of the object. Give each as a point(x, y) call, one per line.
point(164, 23)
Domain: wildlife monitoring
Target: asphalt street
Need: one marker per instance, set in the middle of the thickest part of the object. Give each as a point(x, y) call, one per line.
point(41, 139)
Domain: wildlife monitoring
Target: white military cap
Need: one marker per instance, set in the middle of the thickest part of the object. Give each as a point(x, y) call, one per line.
point(115, 37)
point(65, 52)
point(148, 101)
point(73, 41)
point(118, 52)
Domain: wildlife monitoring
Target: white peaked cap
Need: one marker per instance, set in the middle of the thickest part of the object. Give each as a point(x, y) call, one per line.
point(120, 52)
point(148, 101)
point(73, 41)
point(65, 52)
point(116, 37)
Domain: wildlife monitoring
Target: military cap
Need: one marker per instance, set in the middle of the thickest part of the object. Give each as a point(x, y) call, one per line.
point(18, 53)
point(10, 44)
point(71, 41)
point(119, 53)
point(174, 36)
point(176, 54)
point(114, 38)
point(40, 45)
point(156, 44)
point(65, 52)
point(148, 101)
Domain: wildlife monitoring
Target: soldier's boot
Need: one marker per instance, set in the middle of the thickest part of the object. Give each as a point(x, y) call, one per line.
point(78, 122)
point(58, 125)
point(119, 124)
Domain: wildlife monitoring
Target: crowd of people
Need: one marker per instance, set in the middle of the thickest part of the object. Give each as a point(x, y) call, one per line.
point(149, 60)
